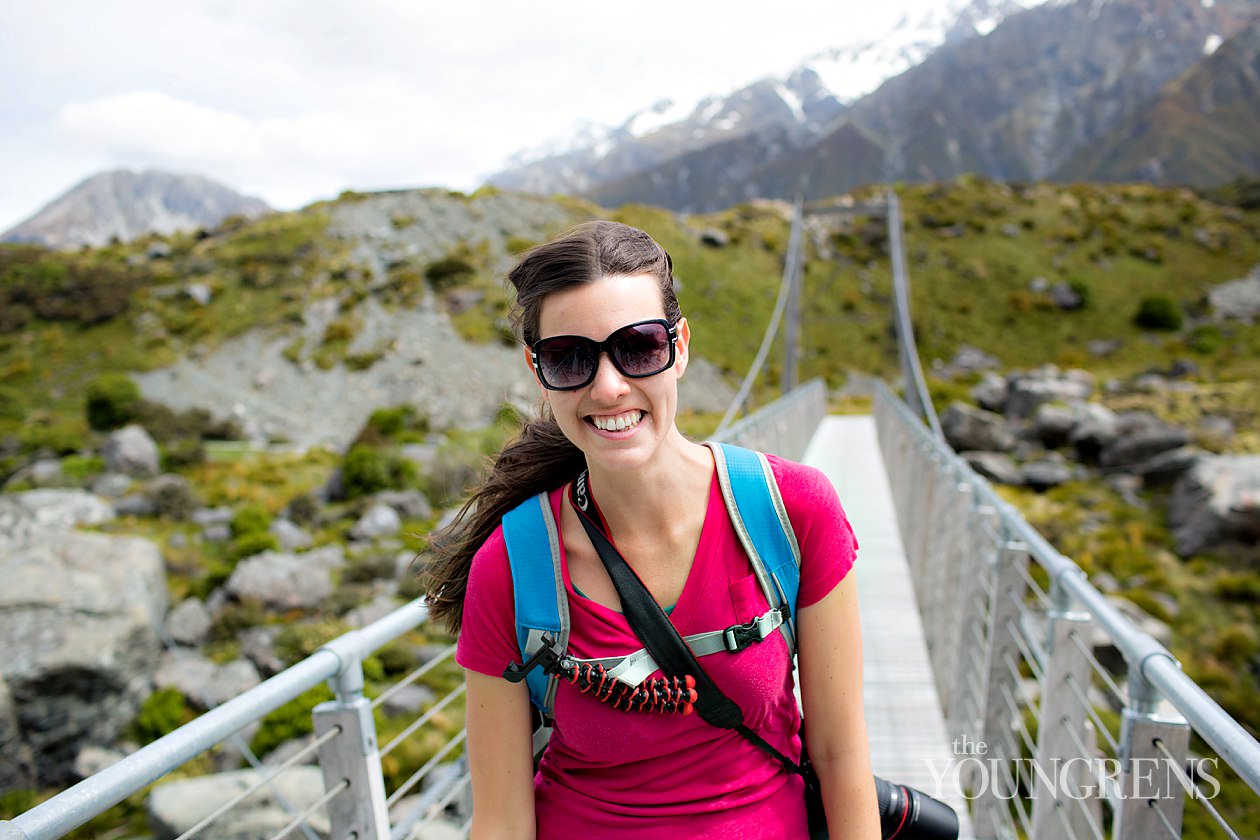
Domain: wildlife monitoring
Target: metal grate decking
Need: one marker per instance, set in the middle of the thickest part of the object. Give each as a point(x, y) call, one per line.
point(908, 739)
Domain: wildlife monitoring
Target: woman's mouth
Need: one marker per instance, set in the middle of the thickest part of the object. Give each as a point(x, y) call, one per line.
point(616, 422)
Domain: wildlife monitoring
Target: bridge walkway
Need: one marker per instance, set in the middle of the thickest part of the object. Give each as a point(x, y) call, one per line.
point(908, 738)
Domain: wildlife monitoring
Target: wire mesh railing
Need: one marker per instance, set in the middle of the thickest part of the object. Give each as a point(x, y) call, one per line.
point(1056, 744)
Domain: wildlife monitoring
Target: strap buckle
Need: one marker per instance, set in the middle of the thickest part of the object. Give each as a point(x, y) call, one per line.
point(545, 656)
point(739, 636)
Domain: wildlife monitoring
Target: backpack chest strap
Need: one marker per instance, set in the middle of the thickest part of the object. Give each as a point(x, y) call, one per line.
point(634, 668)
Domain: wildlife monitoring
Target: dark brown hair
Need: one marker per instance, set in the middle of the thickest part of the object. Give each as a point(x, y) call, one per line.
point(540, 458)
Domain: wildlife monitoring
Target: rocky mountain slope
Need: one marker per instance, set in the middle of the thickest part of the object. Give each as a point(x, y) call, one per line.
point(123, 205)
point(761, 121)
point(1200, 130)
point(1011, 93)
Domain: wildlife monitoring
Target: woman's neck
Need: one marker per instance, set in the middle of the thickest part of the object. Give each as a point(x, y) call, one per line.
point(656, 493)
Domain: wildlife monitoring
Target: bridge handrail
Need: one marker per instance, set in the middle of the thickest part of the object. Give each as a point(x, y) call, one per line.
point(783, 427)
point(336, 661)
point(916, 386)
point(1153, 670)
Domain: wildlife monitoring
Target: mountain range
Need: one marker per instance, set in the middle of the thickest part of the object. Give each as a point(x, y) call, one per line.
point(1166, 91)
point(123, 205)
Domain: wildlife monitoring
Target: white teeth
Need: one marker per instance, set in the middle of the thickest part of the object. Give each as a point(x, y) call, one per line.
point(619, 423)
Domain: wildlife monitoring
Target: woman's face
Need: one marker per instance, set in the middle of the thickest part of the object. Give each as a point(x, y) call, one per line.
point(619, 422)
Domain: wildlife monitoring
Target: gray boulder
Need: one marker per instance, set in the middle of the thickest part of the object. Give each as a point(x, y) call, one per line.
point(1042, 475)
point(290, 535)
point(111, 485)
point(1065, 297)
point(1215, 503)
point(967, 428)
point(379, 521)
point(56, 510)
point(175, 807)
point(17, 763)
point(1052, 424)
point(408, 700)
point(131, 450)
point(1140, 437)
point(205, 683)
point(79, 618)
point(410, 504)
point(173, 497)
point(135, 504)
point(189, 622)
point(1095, 428)
point(1238, 298)
point(995, 466)
point(1167, 466)
point(990, 392)
point(287, 581)
point(377, 608)
point(46, 472)
point(1028, 390)
point(258, 645)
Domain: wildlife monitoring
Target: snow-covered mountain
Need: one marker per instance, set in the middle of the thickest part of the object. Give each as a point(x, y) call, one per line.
point(800, 106)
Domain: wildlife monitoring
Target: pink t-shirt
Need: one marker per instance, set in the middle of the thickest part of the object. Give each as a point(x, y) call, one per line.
point(651, 775)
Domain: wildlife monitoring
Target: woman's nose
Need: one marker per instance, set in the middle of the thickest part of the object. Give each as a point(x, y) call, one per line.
point(609, 384)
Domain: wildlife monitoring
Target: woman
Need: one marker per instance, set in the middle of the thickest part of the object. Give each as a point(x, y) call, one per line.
point(645, 775)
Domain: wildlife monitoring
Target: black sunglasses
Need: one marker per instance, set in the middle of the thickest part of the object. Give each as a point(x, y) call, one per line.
point(569, 362)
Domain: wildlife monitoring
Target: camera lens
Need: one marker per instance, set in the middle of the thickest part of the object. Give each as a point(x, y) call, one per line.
point(909, 814)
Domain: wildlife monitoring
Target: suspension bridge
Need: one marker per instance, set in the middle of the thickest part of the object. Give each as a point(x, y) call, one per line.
point(982, 687)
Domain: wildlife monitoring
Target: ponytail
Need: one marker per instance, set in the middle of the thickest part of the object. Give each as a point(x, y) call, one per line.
point(540, 458)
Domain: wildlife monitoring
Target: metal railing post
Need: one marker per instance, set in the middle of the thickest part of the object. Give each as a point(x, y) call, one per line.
point(1062, 769)
point(955, 559)
point(1151, 797)
point(352, 760)
point(1009, 587)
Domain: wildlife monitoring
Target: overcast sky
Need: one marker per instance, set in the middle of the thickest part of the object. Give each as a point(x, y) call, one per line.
point(296, 100)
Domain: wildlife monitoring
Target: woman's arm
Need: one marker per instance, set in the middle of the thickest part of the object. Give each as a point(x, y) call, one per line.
point(830, 662)
point(500, 756)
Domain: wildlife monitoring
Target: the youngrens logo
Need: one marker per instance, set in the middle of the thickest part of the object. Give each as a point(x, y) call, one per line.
point(975, 773)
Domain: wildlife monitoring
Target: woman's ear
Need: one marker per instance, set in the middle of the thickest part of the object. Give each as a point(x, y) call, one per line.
point(683, 342)
point(529, 363)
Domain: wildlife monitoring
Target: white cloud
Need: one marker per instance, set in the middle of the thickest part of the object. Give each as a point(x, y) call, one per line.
point(295, 100)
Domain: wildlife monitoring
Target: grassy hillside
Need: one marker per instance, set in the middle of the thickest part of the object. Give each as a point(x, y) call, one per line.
point(983, 258)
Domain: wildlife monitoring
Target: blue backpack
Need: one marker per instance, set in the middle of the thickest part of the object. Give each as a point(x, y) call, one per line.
point(761, 522)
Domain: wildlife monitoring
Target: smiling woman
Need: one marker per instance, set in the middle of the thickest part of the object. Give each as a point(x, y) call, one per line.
point(607, 343)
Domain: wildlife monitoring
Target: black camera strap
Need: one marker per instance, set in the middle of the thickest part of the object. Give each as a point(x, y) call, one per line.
point(659, 635)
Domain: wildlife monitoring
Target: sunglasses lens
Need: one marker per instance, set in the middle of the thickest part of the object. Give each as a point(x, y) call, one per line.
point(566, 361)
point(641, 349)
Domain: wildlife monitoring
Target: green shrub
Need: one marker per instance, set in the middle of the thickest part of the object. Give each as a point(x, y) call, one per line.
point(1084, 291)
point(79, 468)
point(1158, 312)
point(366, 470)
point(62, 436)
point(1205, 339)
point(253, 543)
point(163, 712)
point(250, 519)
point(448, 272)
point(113, 400)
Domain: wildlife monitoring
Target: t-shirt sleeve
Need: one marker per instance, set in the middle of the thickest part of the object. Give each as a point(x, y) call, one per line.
point(487, 637)
point(827, 542)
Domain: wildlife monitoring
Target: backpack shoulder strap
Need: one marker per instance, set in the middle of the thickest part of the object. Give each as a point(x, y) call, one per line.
point(538, 591)
point(756, 510)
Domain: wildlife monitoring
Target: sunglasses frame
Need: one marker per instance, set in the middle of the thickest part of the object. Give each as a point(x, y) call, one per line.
point(602, 348)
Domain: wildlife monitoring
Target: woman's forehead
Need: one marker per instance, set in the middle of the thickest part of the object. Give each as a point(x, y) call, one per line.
point(597, 308)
